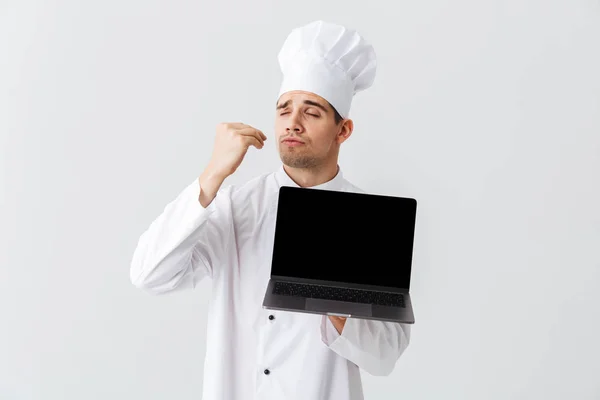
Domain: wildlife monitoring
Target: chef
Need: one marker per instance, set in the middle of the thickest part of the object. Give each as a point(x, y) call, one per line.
point(225, 234)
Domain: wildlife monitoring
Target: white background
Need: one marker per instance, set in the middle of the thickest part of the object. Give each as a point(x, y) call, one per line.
point(487, 112)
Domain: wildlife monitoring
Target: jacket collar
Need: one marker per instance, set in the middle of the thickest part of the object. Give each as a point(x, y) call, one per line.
point(283, 179)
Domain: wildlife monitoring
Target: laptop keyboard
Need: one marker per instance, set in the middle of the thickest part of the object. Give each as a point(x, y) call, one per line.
point(341, 294)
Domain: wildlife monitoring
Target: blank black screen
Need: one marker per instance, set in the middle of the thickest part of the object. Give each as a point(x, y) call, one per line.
point(343, 236)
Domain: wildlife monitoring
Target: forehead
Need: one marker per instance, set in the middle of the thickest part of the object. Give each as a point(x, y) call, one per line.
point(298, 96)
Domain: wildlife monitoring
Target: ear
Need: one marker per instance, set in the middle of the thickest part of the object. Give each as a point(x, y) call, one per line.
point(345, 131)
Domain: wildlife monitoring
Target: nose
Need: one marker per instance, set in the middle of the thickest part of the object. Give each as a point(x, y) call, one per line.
point(293, 123)
point(293, 127)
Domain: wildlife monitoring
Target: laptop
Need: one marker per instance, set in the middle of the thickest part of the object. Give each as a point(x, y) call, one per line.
point(342, 253)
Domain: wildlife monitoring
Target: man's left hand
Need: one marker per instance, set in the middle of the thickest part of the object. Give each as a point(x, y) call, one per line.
point(338, 323)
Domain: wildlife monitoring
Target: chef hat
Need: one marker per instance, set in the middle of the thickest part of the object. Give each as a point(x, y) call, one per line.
point(329, 60)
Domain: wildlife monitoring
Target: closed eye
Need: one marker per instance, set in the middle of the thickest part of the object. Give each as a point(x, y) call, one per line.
point(314, 115)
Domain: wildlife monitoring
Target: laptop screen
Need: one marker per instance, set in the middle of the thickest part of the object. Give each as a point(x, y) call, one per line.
point(345, 237)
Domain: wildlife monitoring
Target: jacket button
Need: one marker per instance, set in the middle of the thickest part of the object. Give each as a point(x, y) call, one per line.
point(271, 317)
point(267, 372)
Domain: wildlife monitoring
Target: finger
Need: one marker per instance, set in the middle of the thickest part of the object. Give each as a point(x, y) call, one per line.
point(237, 125)
point(253, 141)
point(252, 132)
point(262, 135)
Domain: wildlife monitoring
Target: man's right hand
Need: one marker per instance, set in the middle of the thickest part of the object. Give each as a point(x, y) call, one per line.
point(231, 145)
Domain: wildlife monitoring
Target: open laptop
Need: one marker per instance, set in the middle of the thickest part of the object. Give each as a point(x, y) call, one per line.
point(342, 253)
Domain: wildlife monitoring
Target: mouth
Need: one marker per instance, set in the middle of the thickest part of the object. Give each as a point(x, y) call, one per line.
point(292, 142)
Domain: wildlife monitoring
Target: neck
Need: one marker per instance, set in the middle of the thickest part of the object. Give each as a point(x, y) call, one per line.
point(308, 177)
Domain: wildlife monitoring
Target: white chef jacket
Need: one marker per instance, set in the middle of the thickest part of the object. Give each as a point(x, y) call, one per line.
point(254, 353)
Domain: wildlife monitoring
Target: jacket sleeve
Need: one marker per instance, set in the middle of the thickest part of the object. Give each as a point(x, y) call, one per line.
point(184, 244)
point(374, 346)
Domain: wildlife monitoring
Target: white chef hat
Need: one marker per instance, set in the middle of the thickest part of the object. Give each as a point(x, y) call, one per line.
point(329, 60)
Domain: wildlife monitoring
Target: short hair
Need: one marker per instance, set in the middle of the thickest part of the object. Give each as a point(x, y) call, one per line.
point(336, 114)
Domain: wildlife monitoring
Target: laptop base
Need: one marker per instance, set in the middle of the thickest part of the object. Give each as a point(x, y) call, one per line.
point(338, 308)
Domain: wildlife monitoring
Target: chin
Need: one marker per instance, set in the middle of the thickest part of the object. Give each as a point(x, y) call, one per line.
point(298, 161)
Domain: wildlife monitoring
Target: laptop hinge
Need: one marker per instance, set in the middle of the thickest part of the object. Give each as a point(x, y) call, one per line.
point(339, 284)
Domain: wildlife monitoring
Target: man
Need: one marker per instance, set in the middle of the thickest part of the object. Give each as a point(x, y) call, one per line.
point(226, 234)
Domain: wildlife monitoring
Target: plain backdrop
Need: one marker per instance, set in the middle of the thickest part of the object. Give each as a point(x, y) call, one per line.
point(487, 112)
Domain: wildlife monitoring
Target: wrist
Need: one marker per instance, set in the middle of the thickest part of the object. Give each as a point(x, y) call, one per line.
point(211, 177)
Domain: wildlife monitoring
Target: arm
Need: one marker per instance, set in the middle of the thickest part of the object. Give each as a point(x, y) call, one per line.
point(374, 346)
point(185, 242)
point(188, 239)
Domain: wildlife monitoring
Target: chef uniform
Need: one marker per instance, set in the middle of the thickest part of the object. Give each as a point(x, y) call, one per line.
point(253, 353)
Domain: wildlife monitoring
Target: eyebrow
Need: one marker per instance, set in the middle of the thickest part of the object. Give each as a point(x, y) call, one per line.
point(307, 102)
